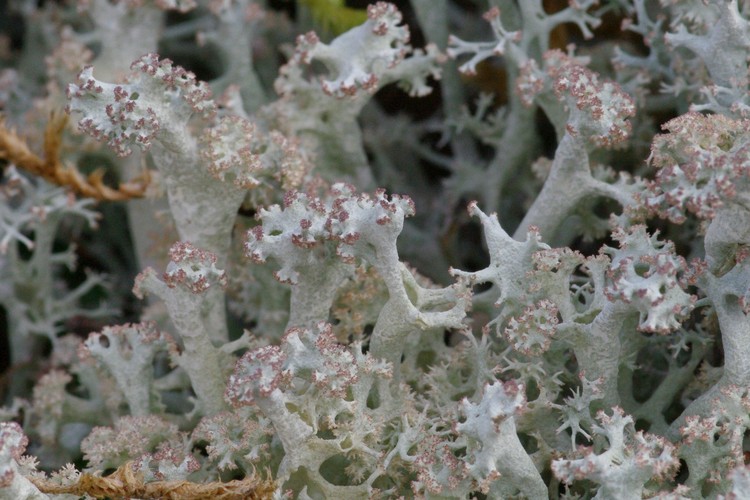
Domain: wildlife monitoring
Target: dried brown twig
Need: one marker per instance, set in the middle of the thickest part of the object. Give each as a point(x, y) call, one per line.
point(14, 149)
point(124, 483)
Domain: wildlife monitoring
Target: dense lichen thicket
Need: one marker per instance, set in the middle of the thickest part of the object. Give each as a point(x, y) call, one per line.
point(320, 249)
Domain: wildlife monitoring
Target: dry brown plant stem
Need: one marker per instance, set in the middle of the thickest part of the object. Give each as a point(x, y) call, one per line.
point(15, 150)
point(124, 483)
